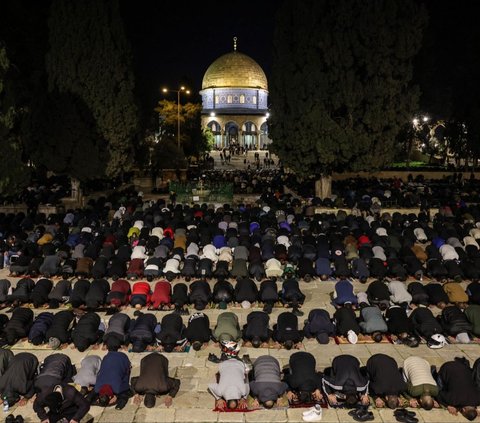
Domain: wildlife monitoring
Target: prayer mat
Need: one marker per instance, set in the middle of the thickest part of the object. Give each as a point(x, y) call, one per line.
point(364, 339)
point(453, 340)
point(250, 401)
point(282, 404)
point(323, 404)
point(403, 401)
point(273, 345)
point(26, 346)
point(185, 349)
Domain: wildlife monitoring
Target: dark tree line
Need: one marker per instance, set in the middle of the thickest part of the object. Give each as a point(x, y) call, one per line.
point(341, 83)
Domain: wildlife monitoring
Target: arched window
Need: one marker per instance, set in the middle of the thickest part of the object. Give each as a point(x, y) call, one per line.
point(229, 99)
point(254, 99)
point(242, 99)
point(217, 100)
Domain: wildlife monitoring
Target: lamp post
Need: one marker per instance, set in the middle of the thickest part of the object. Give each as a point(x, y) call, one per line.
point(181, 89)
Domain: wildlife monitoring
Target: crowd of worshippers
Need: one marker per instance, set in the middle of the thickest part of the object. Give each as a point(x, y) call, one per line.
point(151, 240)
point(60, 390)
point(456, 385)
point(362, 193)
point(384, 308)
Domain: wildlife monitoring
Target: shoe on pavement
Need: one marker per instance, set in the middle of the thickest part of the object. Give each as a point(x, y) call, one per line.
point(315, 407)
point(314, 415)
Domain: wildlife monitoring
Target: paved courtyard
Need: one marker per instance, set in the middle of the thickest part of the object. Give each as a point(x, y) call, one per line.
point(194, 404)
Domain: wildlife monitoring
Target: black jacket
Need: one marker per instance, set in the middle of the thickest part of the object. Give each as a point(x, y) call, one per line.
point(385, 376)
point(22, 291)
point(454, 321)
point(74, 405)
point(86, 331)
point(19, 325)
point(345, 376)
point(198, 328)
point(257, 326)
point(18, 378)
point(171, 331)
point(268, 291)
point(79, 292)
point(286, 328)
point(424, 322)
point(345, 320)
point(142, 332)
point(39, 294)
point(61, 326)
point(223, 291)
point(457, 385)
point(56, 369)
point(97, 294)
point(301, 375)
point(38, 331)
point(246, 290)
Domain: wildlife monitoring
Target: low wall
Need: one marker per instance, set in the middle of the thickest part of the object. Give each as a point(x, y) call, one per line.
point(402, 174)
point(22, 208)
point(392, 210)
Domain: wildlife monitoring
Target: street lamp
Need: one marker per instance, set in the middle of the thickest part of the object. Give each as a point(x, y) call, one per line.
point(180, 90)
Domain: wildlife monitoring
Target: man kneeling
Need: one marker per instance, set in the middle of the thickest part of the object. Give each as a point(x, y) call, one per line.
point(154, 380)
point(232, 388)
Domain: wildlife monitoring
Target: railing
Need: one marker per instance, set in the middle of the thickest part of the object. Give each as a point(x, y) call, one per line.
point(188, 192)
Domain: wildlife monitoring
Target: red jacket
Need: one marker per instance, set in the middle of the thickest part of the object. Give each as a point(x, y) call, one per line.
point(162, 294)
point(119, 293)
point(142, 288)
point(168, 232)
point(136, 267)
point(363, 239)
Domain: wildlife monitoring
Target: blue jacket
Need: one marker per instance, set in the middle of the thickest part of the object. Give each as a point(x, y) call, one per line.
point(219, 241)
point(323, 267)
point(344, 291)
point(40, 326)
point(114, 371)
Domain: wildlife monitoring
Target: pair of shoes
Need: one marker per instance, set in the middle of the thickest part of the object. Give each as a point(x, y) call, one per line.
point(361, 414)
point(411, 341)
point(313, 414)
point(267, 308)
point(297, 312)
point(315, 407)
point(213, 358)
point(403, 415)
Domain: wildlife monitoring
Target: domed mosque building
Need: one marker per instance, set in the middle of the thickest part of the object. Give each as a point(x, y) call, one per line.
point(235, 101)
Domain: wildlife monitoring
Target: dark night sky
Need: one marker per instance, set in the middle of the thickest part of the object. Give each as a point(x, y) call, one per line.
point(174, 42)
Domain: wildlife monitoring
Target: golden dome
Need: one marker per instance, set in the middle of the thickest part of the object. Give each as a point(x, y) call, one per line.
point(234, 70)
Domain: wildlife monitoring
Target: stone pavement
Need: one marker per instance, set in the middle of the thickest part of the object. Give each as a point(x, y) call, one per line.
point(237, 161)
point(194, 404)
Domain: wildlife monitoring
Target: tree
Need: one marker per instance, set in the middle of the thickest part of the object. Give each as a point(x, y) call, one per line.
point(448, 70)
point(193, 139)
point(14, 174)
point(166, 155)
point(90, 58)
point(63, 137)
point(340, 87)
